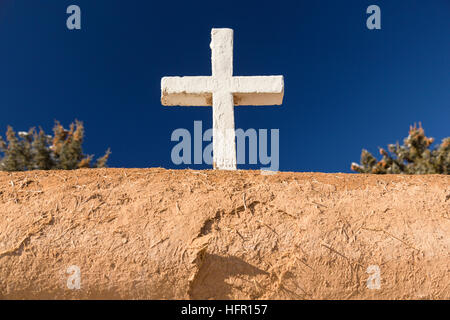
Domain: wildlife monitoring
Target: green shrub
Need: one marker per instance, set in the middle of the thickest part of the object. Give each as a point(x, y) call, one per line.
point(415, 156)
point(34, 150)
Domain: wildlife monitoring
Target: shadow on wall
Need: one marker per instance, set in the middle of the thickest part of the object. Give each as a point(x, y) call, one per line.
point(219, 276)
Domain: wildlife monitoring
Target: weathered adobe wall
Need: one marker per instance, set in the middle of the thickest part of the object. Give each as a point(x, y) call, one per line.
point(165, 234)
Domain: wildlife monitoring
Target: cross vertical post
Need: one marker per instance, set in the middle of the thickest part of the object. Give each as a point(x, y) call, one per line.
point(224, 145)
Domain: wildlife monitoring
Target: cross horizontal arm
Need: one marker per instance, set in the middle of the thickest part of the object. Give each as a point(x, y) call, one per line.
point(186, 91)
point(258, 90)
point(197, 91)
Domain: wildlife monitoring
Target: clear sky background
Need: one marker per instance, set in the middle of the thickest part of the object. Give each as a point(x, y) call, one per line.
point(346, 87)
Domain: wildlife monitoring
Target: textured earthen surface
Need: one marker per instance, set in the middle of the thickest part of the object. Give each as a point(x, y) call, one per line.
point(166, 234)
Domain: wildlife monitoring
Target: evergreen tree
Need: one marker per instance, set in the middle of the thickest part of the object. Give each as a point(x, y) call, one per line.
point(25, 142)
point(101, 162)
point(32, 150)
point(71, 151)
point(415, 156)
point(13, 159)
point(42, 158)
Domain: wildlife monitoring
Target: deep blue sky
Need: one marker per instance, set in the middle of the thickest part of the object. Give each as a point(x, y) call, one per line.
point(346, 87)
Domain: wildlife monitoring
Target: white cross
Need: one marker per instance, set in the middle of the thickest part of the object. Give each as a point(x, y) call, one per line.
point(223, 92)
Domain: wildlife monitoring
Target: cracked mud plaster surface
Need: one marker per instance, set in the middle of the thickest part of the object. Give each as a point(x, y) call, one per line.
point(183, 234)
